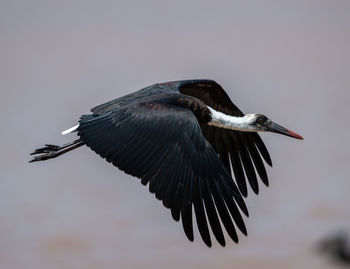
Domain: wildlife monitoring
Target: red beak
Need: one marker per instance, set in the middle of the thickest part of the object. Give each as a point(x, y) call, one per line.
point(274, 127)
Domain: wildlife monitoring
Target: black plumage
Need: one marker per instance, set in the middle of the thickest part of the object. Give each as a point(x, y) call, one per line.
point(159, 134)
point(187, 164)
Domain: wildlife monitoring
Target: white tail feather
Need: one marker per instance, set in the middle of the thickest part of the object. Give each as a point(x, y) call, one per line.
point(70, 130)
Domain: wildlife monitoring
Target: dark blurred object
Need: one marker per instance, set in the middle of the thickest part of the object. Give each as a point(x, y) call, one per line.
point(337, 247)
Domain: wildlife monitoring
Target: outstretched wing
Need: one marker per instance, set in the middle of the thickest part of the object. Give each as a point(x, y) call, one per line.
point(163, 145)
point(239, 150)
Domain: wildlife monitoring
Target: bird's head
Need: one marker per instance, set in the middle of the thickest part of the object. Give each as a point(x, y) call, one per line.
point(261, 123)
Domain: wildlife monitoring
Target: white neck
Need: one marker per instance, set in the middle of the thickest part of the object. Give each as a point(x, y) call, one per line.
point(222, 120)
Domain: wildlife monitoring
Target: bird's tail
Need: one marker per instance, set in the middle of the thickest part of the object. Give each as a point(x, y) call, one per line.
point(53, 151)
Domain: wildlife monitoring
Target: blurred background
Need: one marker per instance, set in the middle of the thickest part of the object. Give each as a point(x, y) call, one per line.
point(289, 60)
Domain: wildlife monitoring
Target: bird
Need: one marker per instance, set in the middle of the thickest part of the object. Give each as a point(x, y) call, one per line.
point(194, 148)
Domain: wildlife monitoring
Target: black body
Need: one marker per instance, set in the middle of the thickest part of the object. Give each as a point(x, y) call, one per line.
point(159, 134)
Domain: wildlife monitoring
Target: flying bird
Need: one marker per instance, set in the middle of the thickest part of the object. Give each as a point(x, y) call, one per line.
point(187, 141)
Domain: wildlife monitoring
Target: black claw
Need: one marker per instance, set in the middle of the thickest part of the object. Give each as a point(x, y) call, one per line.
point(43, 157)
point(39, 151)
point(52, 147)
point(46, 152)
point(47, 149)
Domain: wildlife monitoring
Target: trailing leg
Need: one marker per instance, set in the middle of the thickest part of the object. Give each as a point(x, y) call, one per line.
point(53, 151)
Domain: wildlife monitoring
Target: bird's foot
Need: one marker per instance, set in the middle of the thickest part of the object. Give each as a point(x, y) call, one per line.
point(48, 148)
point(52, 151)
point(44, 153)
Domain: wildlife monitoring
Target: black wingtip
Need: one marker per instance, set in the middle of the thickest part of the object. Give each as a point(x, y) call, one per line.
point(175, 215)
point(222, 243)
point(244, 231)
point(245, 211)
point(265, 181)
point(39, 158)
point(208, 243)
point(243, 191)
point(189, 236)
point(254, 185)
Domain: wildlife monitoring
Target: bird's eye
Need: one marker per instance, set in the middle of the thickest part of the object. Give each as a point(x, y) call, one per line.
point(260, 121)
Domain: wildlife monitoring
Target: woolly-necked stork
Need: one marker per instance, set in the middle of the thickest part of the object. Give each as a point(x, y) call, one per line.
point(186, 139)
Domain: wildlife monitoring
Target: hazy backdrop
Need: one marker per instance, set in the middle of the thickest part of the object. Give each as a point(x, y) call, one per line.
point(289, 60)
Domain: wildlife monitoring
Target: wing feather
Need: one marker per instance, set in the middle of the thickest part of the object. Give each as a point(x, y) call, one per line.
point(241, 147)
point(212, 94)
point(164, 146)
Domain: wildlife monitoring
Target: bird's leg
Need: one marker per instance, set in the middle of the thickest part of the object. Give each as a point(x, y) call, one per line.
point(53, 151)
point(49, 148)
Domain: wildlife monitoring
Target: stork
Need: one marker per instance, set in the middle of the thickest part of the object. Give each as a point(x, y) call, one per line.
point(187, 141)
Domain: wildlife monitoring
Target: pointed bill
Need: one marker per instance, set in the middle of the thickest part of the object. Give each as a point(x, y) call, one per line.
point(275, 128)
